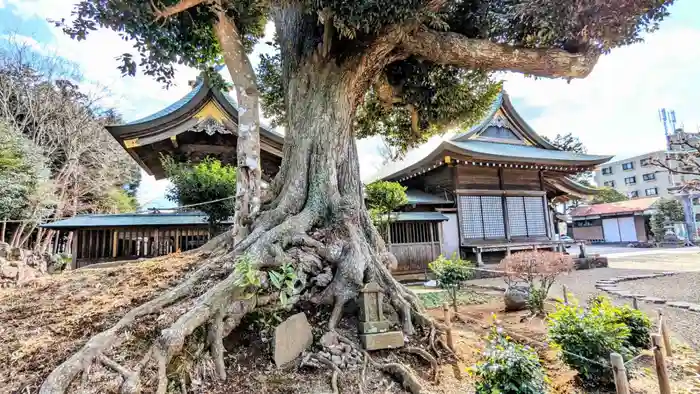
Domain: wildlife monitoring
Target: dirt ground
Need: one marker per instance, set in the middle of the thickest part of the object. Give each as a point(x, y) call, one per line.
point(43, 323)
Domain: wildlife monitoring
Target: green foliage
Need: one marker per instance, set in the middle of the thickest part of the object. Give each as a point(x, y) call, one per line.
point(450, 273)
point(431, 96)
point(570, 143)
point(442, 96)
point(271, 88)
point(185, 38)
point(247, 276)
point(23, 171)
point(608, 194)
point(594, 333)
point(208, 180)
point(382, 199)
point(637, 321)
point(535, 300)
point(435, 299)
point(283, 281)
point(668, 210)
point(119, 201)
point(508, 367)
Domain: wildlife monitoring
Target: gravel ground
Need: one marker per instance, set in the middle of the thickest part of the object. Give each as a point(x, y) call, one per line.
point(580, 283)
point(684, 325)
point(679, 287)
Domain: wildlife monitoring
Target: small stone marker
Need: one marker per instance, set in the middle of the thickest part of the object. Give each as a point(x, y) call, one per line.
point(373, 327)
point(291, 338)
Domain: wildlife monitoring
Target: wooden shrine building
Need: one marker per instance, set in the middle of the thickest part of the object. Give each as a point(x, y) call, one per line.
point(494, 183)
point(203, 123)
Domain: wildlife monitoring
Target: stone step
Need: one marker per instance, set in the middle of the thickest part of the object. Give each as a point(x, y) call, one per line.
point(679, 304)
point(654, 300)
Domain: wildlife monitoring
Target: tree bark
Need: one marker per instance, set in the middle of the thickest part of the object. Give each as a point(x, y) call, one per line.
point(248, 145)
point(314, 217)
point(455, 49)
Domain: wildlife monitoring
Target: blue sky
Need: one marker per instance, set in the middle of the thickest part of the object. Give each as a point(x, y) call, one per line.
point(613, 111)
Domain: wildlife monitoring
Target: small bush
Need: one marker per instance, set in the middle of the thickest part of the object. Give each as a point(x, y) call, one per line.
point(450, 273)
point(508, 368)
point(537, 269)
point(638, 322)
point(593, 334)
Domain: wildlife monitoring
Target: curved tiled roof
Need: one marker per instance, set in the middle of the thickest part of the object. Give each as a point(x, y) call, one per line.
point(524, 152)
point(131, 220)
point(170, 108)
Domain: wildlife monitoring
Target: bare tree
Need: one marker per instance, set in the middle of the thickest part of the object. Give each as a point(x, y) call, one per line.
point(39, 96)
point(684, 159)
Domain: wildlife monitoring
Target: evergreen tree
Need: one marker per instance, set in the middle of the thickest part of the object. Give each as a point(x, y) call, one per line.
point(404, 69)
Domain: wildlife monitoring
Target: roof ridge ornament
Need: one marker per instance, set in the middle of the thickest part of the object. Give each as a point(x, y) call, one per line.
point(211, 126)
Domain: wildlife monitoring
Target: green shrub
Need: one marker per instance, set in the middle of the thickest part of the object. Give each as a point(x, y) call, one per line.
point(638, 322)
point(508, 368)
point(593, 334)
point(450, 273)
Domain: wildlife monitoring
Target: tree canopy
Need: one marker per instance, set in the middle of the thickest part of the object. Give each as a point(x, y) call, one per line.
point(23, 173)
point(608, 194)
point(567, 142)
point(206, 181)
point(382, 199)
point(668, 211)
point(571, 143)
point(440, 52)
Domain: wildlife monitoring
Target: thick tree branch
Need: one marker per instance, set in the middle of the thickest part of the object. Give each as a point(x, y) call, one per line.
point(456, 49)
point(182, 5)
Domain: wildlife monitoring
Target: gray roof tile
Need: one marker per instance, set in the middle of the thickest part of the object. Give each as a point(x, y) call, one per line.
point(130, 220)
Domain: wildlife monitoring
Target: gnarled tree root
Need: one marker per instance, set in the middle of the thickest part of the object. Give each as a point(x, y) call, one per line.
point(425, 356)
point(336, 371)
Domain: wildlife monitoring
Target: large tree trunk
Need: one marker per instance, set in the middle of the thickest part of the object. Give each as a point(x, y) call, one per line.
point(313, 216)
point(248, 169)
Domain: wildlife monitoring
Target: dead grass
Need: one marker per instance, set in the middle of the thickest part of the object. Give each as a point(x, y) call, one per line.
point(43, 323)
point(46, 320)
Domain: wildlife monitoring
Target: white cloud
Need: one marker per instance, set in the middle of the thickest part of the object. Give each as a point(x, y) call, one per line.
point(615, 109)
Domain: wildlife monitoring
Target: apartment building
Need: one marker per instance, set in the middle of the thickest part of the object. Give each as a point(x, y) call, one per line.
point(638, 177)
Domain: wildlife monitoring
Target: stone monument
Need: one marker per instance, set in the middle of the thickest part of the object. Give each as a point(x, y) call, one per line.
point(373, 327)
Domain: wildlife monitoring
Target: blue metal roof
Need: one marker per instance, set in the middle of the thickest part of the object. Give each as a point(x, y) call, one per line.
point(171, 108)
point(418, 217)
point(517, 151)
point(418, 197)
point(130, 220)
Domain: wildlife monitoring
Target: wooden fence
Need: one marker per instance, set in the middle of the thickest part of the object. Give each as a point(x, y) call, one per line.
point(110, 244)
point(415, 244)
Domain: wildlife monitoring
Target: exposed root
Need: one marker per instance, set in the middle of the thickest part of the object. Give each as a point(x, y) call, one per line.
point(400, 372)
point(363, 373)
point(427, 357)
point(336, 371)
point(404, 375)
point(215, 340)
point(343, 250)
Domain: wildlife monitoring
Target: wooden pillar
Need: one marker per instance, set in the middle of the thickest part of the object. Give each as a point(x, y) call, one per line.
point(660, 364)
point(177, 239)
point(2, 232)
point(665, 334)
point(620, 374)
point(508, 253)
point(115, 239)
point(582, 248)
point(74, 250)
point(479, 261)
